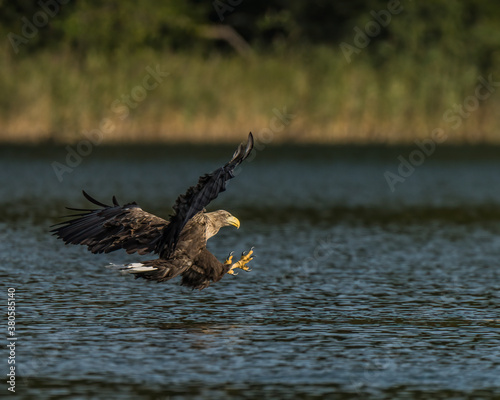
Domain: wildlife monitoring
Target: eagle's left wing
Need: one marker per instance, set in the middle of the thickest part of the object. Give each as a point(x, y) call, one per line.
point(198, 197)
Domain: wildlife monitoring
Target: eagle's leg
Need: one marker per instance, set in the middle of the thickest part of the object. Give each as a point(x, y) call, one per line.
point(242, 262)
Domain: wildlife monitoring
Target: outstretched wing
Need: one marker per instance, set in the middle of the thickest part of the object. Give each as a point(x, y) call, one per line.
point(112, 228)
point(199, 196)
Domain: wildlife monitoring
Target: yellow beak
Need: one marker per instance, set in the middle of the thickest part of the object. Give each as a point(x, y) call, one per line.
point(233, 221)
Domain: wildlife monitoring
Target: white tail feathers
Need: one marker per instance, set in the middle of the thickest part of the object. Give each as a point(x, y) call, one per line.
point(133, 268)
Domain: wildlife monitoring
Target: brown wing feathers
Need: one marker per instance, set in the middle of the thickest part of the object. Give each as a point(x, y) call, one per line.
point(198, 197)
point(112, 228)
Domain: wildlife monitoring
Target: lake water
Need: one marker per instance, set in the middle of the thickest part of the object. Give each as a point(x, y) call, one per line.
point(356, 291)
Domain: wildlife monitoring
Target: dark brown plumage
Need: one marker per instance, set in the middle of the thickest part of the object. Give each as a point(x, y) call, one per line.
point(180, 242)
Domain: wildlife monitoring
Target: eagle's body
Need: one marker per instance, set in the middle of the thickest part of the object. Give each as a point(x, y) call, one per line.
point(180, 242)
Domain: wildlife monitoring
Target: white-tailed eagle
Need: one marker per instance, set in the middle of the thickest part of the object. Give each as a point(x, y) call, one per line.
point(179, 242)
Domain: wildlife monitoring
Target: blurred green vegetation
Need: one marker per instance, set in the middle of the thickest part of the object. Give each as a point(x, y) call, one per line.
point(231, 63)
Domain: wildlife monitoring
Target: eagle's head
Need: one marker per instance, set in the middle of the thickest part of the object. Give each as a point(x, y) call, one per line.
point(218, 219)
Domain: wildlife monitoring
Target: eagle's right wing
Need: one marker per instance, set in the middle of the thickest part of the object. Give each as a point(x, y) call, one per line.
point(112, 228)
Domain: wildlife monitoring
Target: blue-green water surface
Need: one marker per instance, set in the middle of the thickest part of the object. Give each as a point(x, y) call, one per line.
point(356, 291)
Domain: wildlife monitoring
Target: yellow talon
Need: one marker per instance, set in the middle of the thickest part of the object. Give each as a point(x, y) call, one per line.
point(242, 262)
point(229, 259)
point(247, 257)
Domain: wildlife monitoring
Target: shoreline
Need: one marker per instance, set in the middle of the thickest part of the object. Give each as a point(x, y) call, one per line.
point(311, 96)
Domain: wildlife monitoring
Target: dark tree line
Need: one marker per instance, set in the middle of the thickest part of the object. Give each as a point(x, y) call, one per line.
point(464, 29)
